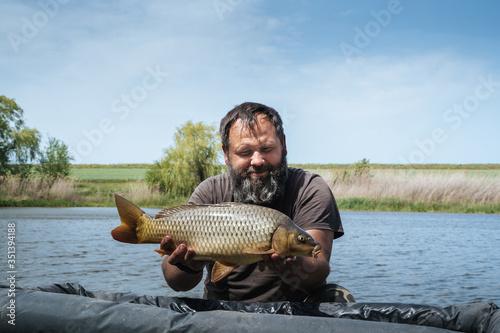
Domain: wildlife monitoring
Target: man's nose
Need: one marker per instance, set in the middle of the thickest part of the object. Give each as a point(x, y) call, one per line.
point(257, 159)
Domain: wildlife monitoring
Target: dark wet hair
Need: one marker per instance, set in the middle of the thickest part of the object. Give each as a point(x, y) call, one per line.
point(248, 112)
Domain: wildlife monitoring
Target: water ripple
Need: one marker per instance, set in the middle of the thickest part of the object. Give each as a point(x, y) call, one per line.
point(429, 258)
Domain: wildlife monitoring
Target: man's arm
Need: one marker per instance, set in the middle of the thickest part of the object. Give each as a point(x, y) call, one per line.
point(176, 278)
point(305, 273)
point(191, 271)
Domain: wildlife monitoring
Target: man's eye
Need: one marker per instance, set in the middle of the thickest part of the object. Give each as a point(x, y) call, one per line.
point(245, 153)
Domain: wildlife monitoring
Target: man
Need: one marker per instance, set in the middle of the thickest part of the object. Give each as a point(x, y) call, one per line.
point(254, 147)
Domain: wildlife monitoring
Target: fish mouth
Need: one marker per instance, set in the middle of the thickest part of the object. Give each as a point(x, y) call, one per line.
point(316, 251)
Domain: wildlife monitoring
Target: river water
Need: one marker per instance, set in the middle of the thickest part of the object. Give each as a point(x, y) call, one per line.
point(421, 258)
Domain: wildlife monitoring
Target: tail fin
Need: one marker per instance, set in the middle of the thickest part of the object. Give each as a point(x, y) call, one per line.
point(129, 215)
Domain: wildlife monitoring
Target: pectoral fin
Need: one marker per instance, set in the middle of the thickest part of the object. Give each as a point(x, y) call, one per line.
point(163, 252)
point(257, 251)
point(169, 251)
point(220, 270)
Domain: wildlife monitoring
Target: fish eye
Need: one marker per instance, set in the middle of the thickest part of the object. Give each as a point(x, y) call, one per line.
point(301, 238)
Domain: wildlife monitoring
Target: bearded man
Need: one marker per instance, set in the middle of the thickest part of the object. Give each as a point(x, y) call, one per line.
point(254, 146)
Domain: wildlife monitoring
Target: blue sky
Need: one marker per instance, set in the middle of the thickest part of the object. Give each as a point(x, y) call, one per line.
point(391, 81)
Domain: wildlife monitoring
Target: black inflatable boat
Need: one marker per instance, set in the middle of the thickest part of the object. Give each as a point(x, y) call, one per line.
point(69, 307)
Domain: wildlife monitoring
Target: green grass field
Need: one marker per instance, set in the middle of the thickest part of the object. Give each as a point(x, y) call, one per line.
point(108, 174)
point(127, 172)
point(438, 188)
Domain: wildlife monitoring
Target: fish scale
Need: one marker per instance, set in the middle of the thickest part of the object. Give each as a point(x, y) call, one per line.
point(205, 227)
point(231, 233)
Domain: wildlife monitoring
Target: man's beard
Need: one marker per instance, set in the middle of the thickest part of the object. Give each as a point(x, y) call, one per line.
point(263, 190)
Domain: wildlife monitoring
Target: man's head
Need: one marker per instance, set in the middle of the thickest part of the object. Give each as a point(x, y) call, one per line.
point(247, 112)
point(255, 152)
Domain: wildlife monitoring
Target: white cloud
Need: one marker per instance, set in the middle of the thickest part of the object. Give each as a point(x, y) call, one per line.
point(92, 53)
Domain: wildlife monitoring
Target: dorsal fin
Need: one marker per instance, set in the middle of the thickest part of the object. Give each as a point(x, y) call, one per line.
point(182, 208)
point(172, 210)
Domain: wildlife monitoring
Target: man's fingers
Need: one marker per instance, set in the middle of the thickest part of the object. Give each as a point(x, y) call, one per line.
point(165, 243)
point(261, 265)
point(185, 256)
point(275, 262)
point(190, 253)
point(178, 254)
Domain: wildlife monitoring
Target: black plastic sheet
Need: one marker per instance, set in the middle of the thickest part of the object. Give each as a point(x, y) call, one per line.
point(70, 308)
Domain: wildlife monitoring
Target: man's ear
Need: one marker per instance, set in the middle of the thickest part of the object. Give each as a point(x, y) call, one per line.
point(226, 158)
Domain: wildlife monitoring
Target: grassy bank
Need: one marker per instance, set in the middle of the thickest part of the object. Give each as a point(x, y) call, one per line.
point(405, 205)
point(74, 192)
point(421, 188)
point(418, 190)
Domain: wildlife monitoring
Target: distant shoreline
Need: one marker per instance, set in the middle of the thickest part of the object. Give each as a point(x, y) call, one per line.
point(437, 166)
point(469, 188)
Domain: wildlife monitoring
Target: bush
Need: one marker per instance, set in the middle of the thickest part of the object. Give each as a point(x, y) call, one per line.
point(55, 160)
point(192, 159)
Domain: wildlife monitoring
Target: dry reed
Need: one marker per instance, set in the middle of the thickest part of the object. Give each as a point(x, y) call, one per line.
point(139, 192)
point(37, 188)
point(396, 189)
point(428, 187)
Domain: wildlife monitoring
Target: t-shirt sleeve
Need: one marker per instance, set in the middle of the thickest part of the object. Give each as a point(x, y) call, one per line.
point(212, 190)
point(201, 194)
point(316, 208)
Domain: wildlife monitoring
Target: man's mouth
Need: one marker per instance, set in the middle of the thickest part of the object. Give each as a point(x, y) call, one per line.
point(257, 173)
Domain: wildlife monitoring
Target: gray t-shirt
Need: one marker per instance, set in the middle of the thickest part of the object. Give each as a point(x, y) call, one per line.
point(307, 200)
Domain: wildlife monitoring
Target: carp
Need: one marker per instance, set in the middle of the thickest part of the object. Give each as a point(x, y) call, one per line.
point(230, 234)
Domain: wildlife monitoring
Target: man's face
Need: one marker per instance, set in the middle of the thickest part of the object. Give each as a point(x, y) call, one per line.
point(256, 160)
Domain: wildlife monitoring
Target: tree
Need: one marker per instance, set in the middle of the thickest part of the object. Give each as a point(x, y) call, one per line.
point(192, 159)
point(55, 160)
point(11, 120)
point(18, 144)
point(26, 149)
point(362, 168)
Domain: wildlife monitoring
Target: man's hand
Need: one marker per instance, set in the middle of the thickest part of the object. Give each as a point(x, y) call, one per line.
point(178, 279)
point(305, 273)
point(182, 255)
point(275, 262)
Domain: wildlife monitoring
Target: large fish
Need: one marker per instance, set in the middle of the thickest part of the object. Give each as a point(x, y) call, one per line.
point(230, 234)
